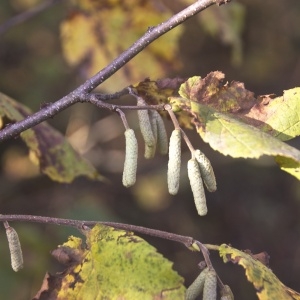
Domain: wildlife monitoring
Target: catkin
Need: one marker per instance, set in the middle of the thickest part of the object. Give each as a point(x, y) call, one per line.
point(14, 245)
point(206, 171)
point(162, 137)
point(226, 293)
point(197, 186)
point(210, 286)
point(146, 129)
point(174, 162)
point(131, 156)
point(196, 288)
point(159, 131)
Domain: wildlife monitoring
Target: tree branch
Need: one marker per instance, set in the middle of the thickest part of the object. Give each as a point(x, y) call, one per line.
point(75, 96)
point(185, 240)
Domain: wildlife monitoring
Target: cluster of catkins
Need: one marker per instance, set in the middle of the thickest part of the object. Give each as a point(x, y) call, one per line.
point(155, 136)
point(206, 283)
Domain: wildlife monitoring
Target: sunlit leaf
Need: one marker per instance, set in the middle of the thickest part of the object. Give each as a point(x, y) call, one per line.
point(110, 27)
point(55, 156)
point(235, 123)
point(115, 264)
point(267, 285)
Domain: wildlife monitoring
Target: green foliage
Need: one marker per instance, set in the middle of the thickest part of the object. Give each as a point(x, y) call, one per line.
point(114, 264)
point(265, 282)
point(48, 148)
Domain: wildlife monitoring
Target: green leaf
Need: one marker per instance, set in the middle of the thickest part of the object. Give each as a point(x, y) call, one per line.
point(55, 156)
point(235, 123)
point(268, 286)
point(115, 264)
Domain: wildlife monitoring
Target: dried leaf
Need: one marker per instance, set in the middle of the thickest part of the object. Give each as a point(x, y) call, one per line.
point(267, 285)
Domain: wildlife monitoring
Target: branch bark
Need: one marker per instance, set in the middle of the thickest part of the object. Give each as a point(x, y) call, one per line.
point(79, 94)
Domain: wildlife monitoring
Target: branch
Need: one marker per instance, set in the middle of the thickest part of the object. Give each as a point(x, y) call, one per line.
point(24, 16)
point(75, 96)
point(185, 240)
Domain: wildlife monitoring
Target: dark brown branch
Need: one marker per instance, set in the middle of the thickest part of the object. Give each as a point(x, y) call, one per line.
point(185, 240)
point(76, 96)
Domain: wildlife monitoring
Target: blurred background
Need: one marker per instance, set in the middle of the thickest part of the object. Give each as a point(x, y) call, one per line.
point(256, 206)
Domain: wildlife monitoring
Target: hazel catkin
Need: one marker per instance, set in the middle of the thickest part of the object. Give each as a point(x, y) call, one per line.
point(146, 130)
point(174, 162)
point(206, 171)
point(210, 286)
point(131, 156)
point(15, 249)
point(197, 186)
point(196, 288)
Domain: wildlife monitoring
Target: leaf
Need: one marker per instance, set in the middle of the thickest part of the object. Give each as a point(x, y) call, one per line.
point(235, 123)
point(108, 28)
point(267, 285)
point(115, 264)
point(55, 156)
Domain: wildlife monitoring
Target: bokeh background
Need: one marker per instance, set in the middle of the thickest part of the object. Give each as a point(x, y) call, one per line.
point(256, 207)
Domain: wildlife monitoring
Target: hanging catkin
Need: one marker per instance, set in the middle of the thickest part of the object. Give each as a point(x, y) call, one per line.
point(197, 186)
point(146, 130)
point(14, 245)
point(196, 288)
point(206, 171)
point(226, 293)
point(162, 137)
point(174, 162)
point(210, 286)
point(131, 156)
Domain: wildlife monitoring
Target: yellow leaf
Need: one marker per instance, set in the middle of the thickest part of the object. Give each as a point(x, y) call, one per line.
point(55, 156)
point(268, 286)
point(102, 30)
point(115, 264)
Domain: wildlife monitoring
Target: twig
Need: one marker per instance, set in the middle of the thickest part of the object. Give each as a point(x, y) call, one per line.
point(24, 16)
point(75, 96)
point(185, 240)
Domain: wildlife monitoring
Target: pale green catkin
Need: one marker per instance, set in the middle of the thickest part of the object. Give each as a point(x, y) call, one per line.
point(15, 249)
point(131, 156)
point(159, 131)
point(197, 186)
point(174, 162)
point(206, 171)
point(210, 286)
point(226, 293)
point(146, 130)
point(162, 137)
point(196, 288)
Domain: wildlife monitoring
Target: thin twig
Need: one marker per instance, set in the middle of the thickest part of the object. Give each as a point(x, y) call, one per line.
point(26, 15)
point(75, 96)
point(185, 240)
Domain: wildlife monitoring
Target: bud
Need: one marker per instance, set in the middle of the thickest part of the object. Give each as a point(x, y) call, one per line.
point(146, 129)
point(206, 171)
point(196, 288)
point(15, 250)
point(197, 186)
point(210, 286)
point(174, 162)
point(131, 156)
